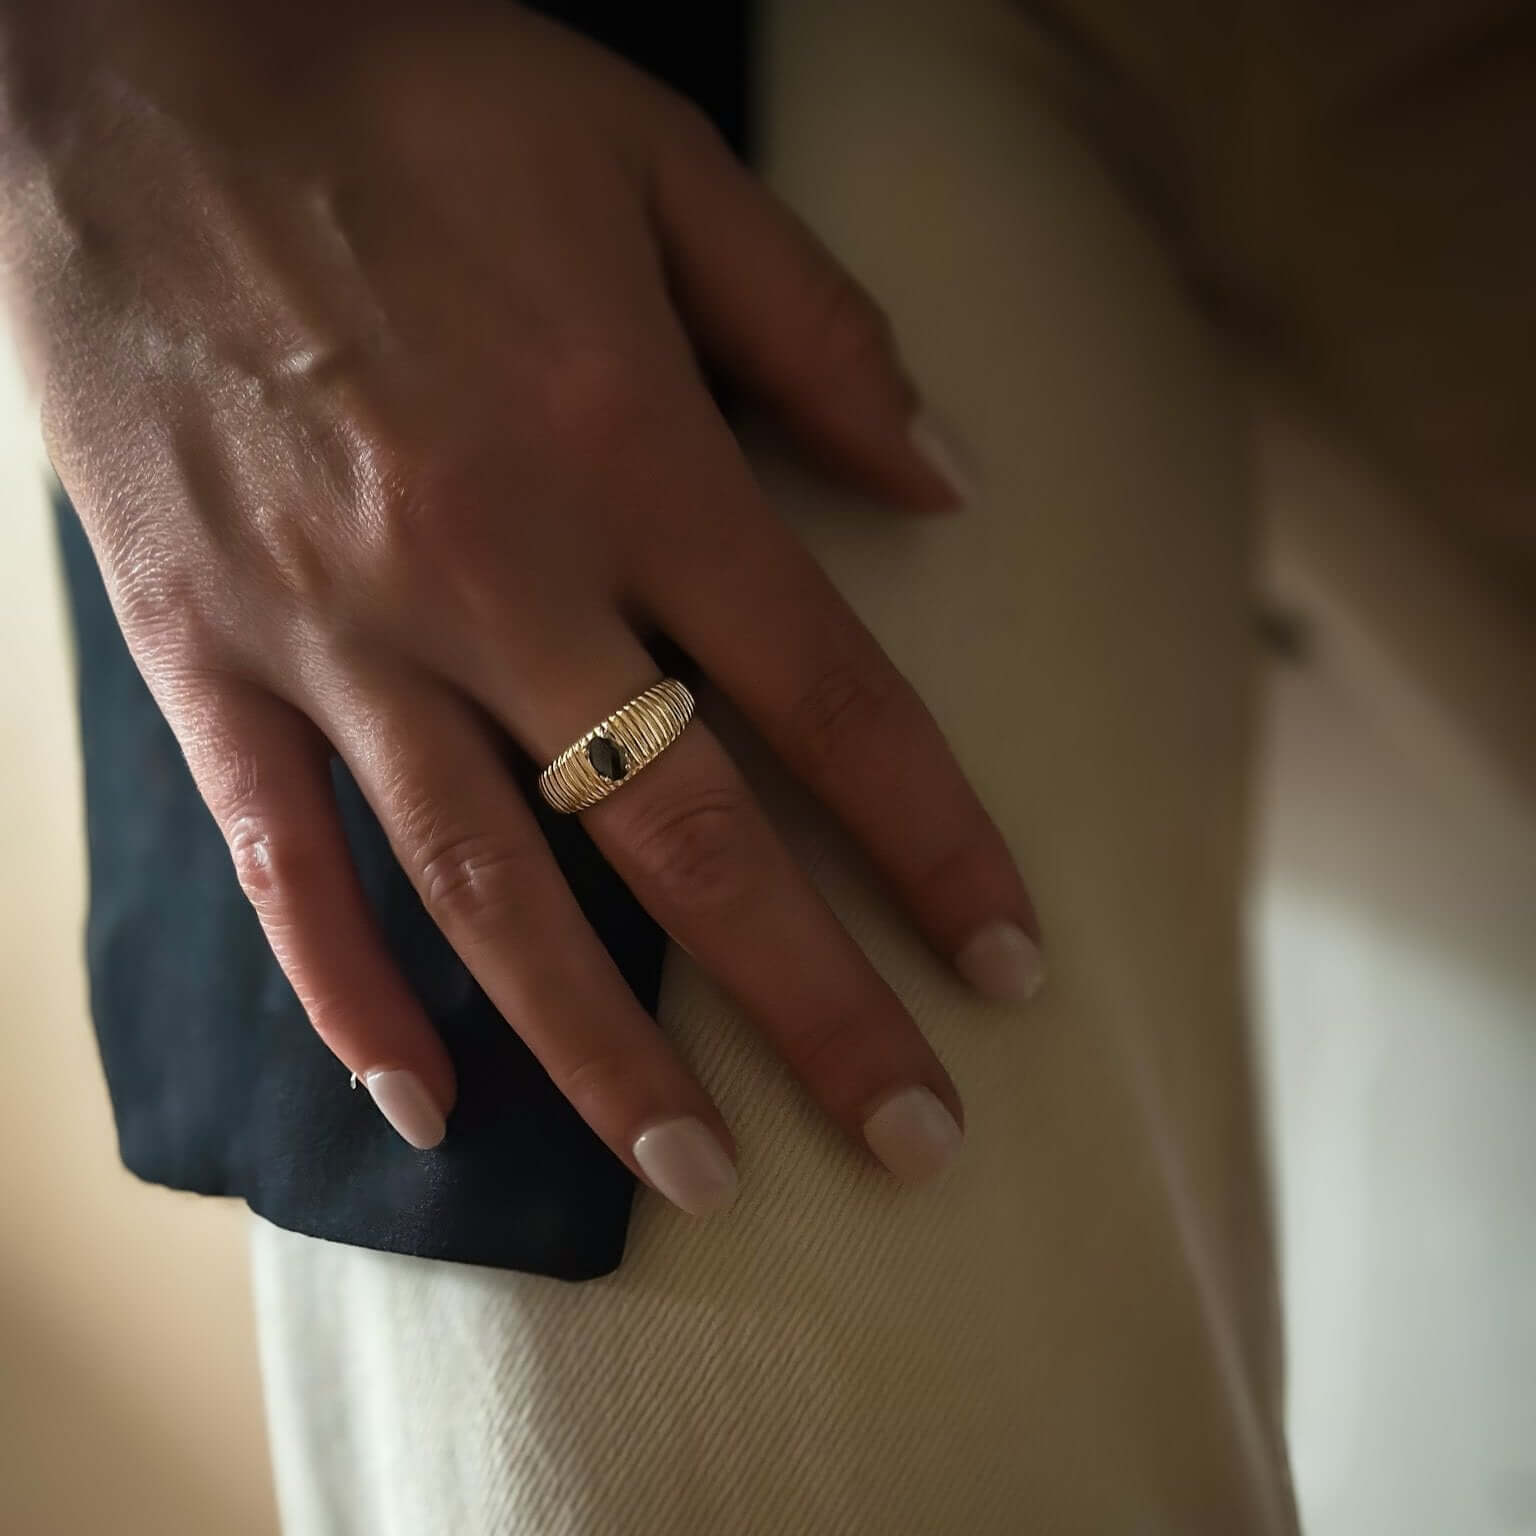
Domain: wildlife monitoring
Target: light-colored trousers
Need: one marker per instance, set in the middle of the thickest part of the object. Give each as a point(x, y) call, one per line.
point(1075, 1329)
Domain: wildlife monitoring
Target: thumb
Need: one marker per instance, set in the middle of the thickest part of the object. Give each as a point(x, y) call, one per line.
point(763, 298)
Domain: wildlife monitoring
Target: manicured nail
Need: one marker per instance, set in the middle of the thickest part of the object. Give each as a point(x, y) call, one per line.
point(1002, 961)
point(913, 1135)
point(941, 449)
point(685, 1162)
point(403, 1100)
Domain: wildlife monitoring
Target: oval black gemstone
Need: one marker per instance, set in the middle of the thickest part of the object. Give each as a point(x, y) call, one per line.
point(607, 758)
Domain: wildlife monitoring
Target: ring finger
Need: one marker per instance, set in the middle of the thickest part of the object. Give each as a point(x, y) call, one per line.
point(689, 839)
point(476, 857)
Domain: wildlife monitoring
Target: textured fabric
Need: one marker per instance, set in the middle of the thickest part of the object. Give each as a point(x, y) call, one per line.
point(218, 1084)
point(1073, 1330)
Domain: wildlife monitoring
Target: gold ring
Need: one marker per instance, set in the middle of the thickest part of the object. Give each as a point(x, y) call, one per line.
point(614, 751)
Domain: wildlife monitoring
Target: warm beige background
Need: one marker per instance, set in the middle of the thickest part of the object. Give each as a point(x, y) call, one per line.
point(129, 1401)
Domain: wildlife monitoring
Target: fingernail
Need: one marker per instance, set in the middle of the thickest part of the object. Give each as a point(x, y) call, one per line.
point(913, 1135)
point(1002, 961)
point(403, 1100)
point(688, 1165)
point(940, 447)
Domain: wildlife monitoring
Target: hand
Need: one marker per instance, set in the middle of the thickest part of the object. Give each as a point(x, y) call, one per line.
point(368, 348)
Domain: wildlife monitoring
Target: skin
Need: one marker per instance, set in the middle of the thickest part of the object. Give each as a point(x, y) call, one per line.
point(369, 341)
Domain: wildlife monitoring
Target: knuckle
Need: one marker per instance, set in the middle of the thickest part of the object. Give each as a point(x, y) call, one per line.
point(188, 673)
point(162, 606)
point(697, 852)
point(836, 1057)
point(593, 396)
point(955, 879)
point(599, 1084)
point(434, 545)
point(473, 883)
point(300, 566)
point(273, 868)
point(431, 525)
point(169, 619)
point(846, 709)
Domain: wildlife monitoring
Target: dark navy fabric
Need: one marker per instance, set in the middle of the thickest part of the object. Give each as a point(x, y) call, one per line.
point(217, 1082)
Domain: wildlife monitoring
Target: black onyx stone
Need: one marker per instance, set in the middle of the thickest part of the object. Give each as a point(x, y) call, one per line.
point(607, 758)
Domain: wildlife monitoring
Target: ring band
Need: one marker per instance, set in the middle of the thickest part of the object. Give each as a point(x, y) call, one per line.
point(614, 751)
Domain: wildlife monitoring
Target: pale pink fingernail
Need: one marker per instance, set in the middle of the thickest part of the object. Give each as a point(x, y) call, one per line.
point(403, 1100)
point(913, 1135)
point(941, 448)
point(1002, 961)
point(688, 1165)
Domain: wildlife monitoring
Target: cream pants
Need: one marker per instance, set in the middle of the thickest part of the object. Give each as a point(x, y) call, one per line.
point(1075, 1329)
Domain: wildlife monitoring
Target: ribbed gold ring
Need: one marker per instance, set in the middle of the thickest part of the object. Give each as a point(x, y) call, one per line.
point(614, 751)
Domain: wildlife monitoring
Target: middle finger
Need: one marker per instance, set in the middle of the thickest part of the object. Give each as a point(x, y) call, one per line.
point(690, 840)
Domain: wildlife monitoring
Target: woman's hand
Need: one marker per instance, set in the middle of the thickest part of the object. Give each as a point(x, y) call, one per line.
point(367, 339)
